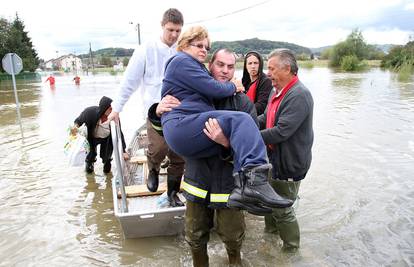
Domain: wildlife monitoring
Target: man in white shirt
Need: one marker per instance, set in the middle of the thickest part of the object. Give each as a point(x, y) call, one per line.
point(146, 70)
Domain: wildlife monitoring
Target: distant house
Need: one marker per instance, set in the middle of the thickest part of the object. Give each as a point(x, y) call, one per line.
point(119, 66)
point(66, 63)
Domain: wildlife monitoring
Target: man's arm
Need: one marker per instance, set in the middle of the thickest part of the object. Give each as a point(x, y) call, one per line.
point(166, 104)
point(291, 117)
point(81, 119)
point(132, 79)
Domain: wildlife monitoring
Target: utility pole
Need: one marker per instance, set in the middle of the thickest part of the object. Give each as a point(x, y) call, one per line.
point(139, 34)
point(138, 28)
point(91, 57)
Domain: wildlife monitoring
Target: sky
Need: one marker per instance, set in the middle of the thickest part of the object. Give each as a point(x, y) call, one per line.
point(61, 27)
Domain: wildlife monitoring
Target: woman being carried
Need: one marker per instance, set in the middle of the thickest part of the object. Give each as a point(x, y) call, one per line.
point(187, 79)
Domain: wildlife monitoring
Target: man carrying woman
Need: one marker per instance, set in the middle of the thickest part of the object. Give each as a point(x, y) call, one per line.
point(187, 79)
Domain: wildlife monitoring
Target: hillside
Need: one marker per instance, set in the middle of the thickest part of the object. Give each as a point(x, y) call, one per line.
point(240, 47)
point(110, 52)
point(264, 47)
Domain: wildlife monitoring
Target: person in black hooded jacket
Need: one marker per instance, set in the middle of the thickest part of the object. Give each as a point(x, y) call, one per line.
point(99, 133)
point(255, 81)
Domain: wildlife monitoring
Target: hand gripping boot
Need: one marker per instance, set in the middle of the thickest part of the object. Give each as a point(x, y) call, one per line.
point(152, 180)
point(257, 187)
point(236, 200)
point(173, 187)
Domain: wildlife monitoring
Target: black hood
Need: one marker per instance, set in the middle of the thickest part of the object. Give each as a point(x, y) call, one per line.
point(246, 77)
point(104, 104)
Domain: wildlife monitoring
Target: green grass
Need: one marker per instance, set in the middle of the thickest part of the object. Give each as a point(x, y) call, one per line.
point(21, 76)
point(405, 72)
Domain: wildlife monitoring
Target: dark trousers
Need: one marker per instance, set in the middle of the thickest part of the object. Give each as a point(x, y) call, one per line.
point(105, 151)
point(199, 220)
point(158, 150)
point(186, 137)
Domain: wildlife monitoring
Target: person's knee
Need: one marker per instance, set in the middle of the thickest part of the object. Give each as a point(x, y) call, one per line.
point(286, 215)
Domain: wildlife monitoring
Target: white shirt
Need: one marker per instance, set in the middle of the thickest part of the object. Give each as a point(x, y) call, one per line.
point(102, 129)
point(145, 71)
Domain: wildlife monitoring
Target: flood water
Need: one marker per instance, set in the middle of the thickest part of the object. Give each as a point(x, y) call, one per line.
point(356, 205)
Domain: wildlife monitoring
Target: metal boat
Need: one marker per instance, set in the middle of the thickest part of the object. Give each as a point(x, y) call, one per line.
point(138, 210)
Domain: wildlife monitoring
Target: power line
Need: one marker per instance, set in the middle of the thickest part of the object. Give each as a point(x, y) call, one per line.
point(230, 13)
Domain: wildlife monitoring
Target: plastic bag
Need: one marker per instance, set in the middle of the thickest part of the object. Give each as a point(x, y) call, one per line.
point(162, 201)
point(77, 147)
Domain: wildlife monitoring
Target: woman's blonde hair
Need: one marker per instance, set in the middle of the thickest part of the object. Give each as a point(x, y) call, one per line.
point(194, 33)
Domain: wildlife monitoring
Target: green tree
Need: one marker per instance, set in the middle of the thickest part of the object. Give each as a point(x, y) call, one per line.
point(401, 59)
point(125, 61)
point(399, 55)
point(354, 48)
point(4, 33)
point(17, 41)
point(374, 53)
point(106, 61)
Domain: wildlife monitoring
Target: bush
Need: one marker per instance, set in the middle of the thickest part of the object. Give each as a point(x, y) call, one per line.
point(307, 64)
point(350, 52)
point(399, 56)
point(350, 63)
point(405, 71)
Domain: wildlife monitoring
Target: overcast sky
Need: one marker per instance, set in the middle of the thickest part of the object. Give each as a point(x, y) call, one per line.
point(62, 27)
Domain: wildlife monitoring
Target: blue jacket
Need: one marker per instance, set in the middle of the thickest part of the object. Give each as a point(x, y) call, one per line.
point(190, 82)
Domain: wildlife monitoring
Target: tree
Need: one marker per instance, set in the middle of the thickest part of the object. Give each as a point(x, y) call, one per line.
point(4, 33)
point(399, 55)
point(353, 48)
point(125, 61)
point(17, 41)
point(106, 61)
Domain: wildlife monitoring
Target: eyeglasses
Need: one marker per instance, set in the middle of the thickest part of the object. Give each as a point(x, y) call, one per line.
point(201, 46)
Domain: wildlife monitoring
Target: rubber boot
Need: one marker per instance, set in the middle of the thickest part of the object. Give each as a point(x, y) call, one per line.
point(236, 200)
point(107, 167)
point(152, 181)
point(89, 167)
point(289, 233)
point(256, 186)
point(200, 257)
point(173, 187)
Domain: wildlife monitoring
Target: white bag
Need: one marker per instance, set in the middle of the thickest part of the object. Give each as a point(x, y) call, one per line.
point(77, 147)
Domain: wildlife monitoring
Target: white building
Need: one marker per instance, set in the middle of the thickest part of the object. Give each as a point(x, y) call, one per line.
point(66, 63)
point(119, 66)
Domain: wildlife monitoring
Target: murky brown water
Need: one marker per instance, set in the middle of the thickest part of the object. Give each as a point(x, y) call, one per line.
point(356, 207)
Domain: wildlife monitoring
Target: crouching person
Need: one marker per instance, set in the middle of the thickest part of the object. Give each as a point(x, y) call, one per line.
point(99, 133)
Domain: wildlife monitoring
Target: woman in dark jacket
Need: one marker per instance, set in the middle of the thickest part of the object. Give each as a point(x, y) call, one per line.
point(255, 82)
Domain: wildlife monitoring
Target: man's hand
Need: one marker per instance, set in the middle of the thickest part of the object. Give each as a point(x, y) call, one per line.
point(215, 133)
point(74, 130)
point(125, 156)
point(113, 116)
point(238, 84)
point(166, 104)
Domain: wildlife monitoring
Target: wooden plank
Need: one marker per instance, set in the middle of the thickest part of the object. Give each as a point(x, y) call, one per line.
point(142, 190)
point(138, 159)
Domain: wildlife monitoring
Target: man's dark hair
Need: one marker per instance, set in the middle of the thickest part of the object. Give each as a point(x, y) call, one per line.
point(172, 15)
point(226, 50)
